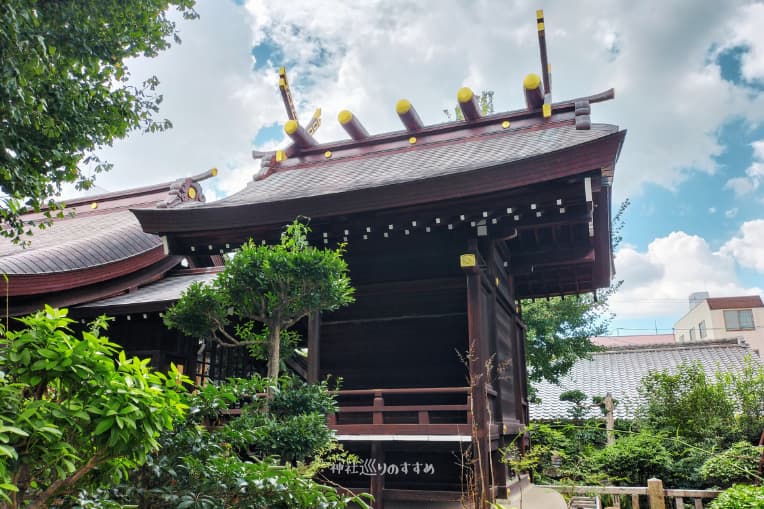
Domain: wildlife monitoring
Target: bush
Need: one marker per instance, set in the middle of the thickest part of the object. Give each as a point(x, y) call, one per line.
point(635, 458)
point(737, 464)
point(265, 458)
point(740, 496)
point(72, 405)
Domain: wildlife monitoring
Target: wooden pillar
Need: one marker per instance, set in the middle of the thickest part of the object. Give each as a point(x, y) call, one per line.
point(481, 454)
point(655, 494)
point(377, 486)
point(314, 347)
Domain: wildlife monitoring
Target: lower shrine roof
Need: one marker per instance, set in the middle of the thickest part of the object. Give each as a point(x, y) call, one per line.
point(79, 243)
point(166, 290)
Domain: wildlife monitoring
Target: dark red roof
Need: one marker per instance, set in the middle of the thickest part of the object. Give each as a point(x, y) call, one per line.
point(98, 240)
point(745, 302)
point(516, 172)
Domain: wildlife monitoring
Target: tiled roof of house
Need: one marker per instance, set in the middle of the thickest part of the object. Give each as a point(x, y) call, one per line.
point(166, 290)
point(635, 340)
point(749, 301)
point(620, 371)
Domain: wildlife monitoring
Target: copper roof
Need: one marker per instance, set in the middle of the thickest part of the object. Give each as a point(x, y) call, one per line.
point(97, 239)
point(80, 242)
point(164, 291)
point(350, 170)
point(746, 302)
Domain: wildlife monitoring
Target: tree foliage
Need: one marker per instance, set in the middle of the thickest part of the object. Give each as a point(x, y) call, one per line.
point(689, 403)
point(65, 90)
point(264, 290)
point(69, 407)
point(740, 496)
point(257, 460)
point(560, 331)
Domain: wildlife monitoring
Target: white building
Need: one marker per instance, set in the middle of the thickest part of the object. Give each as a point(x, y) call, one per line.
point(721, 318)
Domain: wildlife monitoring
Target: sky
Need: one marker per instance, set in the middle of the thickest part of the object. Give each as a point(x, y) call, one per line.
point(688, 79)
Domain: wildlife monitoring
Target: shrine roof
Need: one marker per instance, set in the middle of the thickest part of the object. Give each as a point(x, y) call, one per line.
point(166, 290)
point(385, 165)
point(79, 242)
point(96, 239)
point(448, 161)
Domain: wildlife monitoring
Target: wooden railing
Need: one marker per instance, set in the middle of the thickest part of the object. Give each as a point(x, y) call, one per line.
point(654, 491)
point(426, 411)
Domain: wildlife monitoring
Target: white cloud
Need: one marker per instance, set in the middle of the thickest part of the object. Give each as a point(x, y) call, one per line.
point(748, 246)
point(657, 59)
point(731, 213)
point(746, 32)
point(366, 55)
point(753, 174)
point(712, 210)
point(657, 282)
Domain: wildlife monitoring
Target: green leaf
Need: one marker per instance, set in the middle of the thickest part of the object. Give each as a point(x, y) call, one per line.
point(104, 426)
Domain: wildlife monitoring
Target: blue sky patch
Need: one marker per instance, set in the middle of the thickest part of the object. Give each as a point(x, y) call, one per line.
point(268, 133)
point(267, 54)
point(730, 63)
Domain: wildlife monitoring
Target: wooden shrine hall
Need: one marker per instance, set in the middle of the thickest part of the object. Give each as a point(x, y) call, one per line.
point(447, 227)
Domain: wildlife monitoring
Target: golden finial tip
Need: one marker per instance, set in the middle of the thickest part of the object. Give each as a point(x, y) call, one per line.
point(214, 172)
point(464, 95)
point(345, 116)
point(291, 126)
point(402, 106)
point(532, 81)
point(412, 140)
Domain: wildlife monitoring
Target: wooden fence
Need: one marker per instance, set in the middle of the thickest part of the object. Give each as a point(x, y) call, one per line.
point(654, 492)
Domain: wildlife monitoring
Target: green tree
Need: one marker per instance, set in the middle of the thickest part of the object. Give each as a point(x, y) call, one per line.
point(65, 91)
point(688, 403)
point(560, 331)
point(264, 290)
point(68, 407)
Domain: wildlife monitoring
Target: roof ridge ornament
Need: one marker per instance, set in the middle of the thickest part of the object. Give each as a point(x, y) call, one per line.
point(546, 67)
point(187, 189)
point(537, 90)
point(301, 136)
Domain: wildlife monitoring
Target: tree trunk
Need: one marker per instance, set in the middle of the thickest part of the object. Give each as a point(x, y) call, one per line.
point(42, 500)
point(274, 352)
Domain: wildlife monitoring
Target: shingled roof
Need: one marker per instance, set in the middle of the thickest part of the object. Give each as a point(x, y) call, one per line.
point(151, 297)
point(401, 163)
point(620, 370)
point(96, 244)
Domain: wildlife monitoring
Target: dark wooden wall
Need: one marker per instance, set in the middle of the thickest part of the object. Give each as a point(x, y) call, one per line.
point(408, 326)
